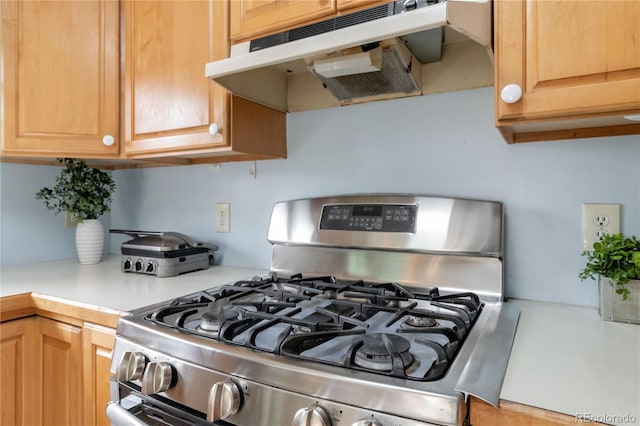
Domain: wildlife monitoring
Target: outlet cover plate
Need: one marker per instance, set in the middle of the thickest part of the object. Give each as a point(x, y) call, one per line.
point(223, 217)
point(597, 220)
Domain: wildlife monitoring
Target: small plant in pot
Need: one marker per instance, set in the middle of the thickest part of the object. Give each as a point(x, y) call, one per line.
point(615, 257)
point(86, 193)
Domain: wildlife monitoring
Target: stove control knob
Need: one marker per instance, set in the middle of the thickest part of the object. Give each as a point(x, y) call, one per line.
point(311, 416)
point(157, 378)
point(130, 367)
point(224, 401)
point(368, 422)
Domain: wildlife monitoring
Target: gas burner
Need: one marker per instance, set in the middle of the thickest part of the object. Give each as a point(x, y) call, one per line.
point(213, 318)
point(414, 321)
point(270, 298)
point(374, 354)
point(301, 329)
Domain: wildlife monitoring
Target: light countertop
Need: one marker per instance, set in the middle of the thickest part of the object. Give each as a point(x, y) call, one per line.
point(564, 358)
point(104, 285)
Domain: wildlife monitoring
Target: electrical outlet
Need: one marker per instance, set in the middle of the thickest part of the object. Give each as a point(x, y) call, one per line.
point(599, 220)
point(223, 217)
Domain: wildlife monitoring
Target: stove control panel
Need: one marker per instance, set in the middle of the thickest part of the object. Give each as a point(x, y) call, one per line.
point(369, 217)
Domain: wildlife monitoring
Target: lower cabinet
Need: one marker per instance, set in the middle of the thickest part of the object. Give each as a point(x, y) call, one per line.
point(54, 373)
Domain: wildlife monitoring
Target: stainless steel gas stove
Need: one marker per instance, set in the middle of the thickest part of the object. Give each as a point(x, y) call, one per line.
point(378, 310)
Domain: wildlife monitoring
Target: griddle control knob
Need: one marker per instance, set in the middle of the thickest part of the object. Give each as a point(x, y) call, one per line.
point(130, 367)
point(311, 416)
point(138, 265)
point(224, 401)
point(157, 378)
point(368, 422)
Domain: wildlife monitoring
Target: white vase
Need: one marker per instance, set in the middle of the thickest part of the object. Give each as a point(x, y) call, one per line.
point(89, 241)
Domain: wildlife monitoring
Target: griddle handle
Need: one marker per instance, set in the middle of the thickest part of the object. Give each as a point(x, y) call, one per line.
point(190, 240)
point(134, 234)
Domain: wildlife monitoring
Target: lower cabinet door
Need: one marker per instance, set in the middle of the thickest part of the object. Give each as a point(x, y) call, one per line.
point(97, 344)
point(17, 352)
point(59, 348)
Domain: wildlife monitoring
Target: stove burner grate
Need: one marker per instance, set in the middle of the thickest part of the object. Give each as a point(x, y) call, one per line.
point(382, 328)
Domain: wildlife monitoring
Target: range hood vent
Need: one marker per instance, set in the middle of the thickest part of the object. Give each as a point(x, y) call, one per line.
point(374, 54)
point(391, 77)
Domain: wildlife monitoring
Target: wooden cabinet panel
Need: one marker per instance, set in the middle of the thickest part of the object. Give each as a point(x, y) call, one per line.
point(572, 59)
point(97, 344)
point(250, 18)
point(510, 413)
point(61, 77)
point(593, 42)
point(59, 348)
point(254, 18)
point(17, 352)
point(350, 4)
point(168, 102)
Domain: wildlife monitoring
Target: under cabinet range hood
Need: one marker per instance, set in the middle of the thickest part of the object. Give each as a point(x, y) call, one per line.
point(402, 48)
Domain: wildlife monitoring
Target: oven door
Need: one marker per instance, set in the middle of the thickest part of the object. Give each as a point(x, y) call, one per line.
point(138, 410)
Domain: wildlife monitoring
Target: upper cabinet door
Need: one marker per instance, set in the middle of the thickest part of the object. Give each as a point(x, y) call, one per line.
point(168, 103)
point(349, 4)
point(569, 58)
point(61, 65)
point(250, 18)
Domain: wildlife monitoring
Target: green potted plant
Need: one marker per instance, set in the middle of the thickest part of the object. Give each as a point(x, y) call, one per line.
point(615, 262)
point(86, 193)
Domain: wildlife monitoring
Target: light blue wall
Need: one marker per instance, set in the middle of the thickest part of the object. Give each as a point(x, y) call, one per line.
point(28, 231)
point(437, 145)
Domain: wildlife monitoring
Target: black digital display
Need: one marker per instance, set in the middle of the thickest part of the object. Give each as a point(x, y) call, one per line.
point(369, 217)
point(360, 210)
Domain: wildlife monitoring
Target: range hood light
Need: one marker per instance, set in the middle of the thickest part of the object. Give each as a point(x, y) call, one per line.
point(358, 63)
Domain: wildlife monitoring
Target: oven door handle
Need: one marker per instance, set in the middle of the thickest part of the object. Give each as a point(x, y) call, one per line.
point(121, 416)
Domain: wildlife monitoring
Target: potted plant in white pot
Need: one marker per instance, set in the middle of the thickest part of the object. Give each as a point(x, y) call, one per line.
point(86, 193)
point(615, 262)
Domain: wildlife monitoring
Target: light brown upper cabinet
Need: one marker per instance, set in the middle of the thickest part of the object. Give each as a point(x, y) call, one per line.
point(250, 18)
point(254, 18)
point(348, 5)
point(61, 68)
point(170, 108)
point(576, 63)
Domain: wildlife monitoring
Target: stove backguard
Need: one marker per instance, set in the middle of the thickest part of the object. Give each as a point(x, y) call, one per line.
point(418, 241)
